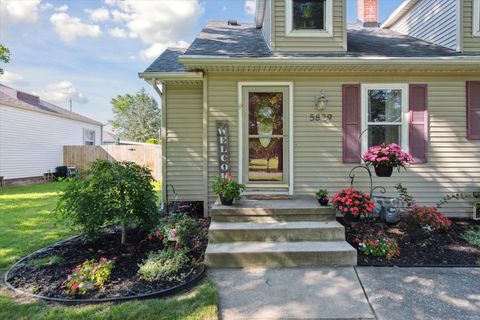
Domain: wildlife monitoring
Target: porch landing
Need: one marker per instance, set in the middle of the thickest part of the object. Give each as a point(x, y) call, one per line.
point(293, 232)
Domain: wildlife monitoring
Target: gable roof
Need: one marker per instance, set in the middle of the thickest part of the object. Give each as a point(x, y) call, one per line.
point(168, 61)
point(22, 100)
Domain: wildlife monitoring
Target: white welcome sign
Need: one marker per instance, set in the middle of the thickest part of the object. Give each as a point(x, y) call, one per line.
point(223, 148)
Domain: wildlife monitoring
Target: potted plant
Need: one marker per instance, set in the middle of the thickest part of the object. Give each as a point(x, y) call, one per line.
point(227, 189)
point(322, 197)
point(386, 157)
point(352, 203)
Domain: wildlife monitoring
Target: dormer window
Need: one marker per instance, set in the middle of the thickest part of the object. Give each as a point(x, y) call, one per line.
point(476, 18)
point(308, 18)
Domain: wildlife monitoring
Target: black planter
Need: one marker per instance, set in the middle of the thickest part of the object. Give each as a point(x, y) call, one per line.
point(384, 171)
point(226, 202)
point(323, 201)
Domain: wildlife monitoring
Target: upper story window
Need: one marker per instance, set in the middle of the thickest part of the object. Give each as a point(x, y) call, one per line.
point(88, 137)
point(308, 18)
point(384, 114)
point(476, 18)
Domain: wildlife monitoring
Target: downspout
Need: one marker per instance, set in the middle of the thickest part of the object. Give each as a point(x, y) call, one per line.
point(163, 136)
point(205, 146)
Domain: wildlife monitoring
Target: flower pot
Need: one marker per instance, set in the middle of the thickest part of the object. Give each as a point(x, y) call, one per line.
point(323, 201)
point(383, 171)
point(225, 201)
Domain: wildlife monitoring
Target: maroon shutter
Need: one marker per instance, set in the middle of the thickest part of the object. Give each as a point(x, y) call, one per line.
point(351, 123)
point(473, 110)
point(418, 131)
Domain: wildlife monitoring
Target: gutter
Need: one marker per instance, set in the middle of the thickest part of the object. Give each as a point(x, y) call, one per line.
point(165, 76)
point(398, 13)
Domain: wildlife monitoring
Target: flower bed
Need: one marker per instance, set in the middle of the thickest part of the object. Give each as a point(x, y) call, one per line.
point(439, 248)
point(54, 279)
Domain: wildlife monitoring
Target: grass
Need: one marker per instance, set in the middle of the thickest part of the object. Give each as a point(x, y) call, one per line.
point(27, 224)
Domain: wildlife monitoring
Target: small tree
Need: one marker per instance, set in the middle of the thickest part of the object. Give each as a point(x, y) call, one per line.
point(109, 193)
point(4, 56)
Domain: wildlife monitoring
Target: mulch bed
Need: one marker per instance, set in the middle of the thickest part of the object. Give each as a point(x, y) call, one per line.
point(45, 280)
point(440, 249)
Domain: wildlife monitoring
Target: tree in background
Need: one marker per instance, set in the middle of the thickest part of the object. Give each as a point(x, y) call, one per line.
point(4, 56)
point(136, 117)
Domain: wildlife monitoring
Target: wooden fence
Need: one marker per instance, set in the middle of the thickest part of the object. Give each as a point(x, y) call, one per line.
point(145, 155)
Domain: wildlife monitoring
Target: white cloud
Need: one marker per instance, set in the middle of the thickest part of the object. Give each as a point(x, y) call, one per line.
point(62, 92)
point(250, 6)
point(63, 8)
point(157, 23)
point(13, 79)
point(118, 32)
point(49, 6)
point(98, 15)
point(69, 28)
point(14, 11)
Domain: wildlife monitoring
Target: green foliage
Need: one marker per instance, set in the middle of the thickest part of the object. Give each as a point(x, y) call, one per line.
point(472, 236)
point(4, 56)
point(88, 276)
point(136, 117)
point(47, 261)
point(164, 265)
point(449, 197)
point(152, 141)
point(379, 245)
point(321, 193)
point(404, 195)
point(109, 193)
point(228, 188)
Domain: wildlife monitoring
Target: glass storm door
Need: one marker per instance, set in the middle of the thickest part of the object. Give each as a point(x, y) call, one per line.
point(266, 135)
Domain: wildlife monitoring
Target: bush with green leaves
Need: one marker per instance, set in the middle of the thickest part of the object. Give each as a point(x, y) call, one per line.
point(164, 265)
point(472, 236)
point(109, 193)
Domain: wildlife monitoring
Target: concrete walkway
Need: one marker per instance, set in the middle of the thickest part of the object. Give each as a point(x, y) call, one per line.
point(337, 293)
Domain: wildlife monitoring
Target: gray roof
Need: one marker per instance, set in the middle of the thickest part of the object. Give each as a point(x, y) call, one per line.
point(19, 99)
point(220, 39)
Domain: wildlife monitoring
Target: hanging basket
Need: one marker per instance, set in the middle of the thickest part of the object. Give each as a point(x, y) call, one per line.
point(383, 171)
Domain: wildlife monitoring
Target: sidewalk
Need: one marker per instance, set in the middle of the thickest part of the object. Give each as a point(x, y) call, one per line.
point(336, 293)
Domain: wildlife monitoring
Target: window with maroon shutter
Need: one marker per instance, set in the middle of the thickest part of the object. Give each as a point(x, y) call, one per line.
point(351, 123)
point(473, 110)
point(418, 126)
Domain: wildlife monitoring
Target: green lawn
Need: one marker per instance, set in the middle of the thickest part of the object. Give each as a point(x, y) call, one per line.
point(27, 223)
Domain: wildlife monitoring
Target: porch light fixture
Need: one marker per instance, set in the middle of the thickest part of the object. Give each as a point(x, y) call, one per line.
point(321, 103)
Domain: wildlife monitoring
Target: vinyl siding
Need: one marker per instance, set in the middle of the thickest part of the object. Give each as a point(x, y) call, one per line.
point(470, 43)
point(31, 143)
point(336, 43)
point(431, 20)
point(267, 23)
point(453, 160)
point(184, 140)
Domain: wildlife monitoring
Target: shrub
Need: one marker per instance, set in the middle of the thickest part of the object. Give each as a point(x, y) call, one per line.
point(472, 236)
point(109, 193)
point(379, 245)
point(428, 218)
point(353, 202)
point(227, 187)
point(164, 265)
point(87, 276)
point(179, 228)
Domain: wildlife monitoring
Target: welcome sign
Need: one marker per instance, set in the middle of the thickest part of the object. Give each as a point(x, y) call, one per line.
point(223, 148)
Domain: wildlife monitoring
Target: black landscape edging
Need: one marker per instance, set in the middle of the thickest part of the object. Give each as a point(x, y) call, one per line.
point(420, 266)
point(157, 294)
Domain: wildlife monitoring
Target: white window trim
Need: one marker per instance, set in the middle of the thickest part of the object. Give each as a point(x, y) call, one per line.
point(405, 113)
point(290, 127)
point(85, 130)
point(476, 18)
point(289, 32)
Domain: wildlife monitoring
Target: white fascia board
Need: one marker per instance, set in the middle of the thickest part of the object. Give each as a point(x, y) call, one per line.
point(260, 13)
point(398, 13)
point(163, 76)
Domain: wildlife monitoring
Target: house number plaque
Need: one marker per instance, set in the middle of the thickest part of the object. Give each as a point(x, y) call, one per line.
point(320, 117)
point(223, 148)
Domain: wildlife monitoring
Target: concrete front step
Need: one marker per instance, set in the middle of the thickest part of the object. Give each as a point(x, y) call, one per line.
point(280, 254)
point(298, 208)
point(276, 231)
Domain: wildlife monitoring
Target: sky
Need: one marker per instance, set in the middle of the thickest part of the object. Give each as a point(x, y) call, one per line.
point(89, 51)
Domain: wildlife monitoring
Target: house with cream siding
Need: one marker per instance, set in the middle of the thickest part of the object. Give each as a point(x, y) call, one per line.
point(420, 69)
point(33, 133)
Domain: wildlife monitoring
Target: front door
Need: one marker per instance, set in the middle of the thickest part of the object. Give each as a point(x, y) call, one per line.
point(265, 139)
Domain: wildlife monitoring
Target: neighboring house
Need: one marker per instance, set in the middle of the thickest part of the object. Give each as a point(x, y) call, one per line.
point(33, 133)
point(271, 79)
point(109, 138)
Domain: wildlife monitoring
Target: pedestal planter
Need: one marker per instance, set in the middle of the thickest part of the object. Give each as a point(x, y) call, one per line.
point(383, 171)
point(225, 201)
